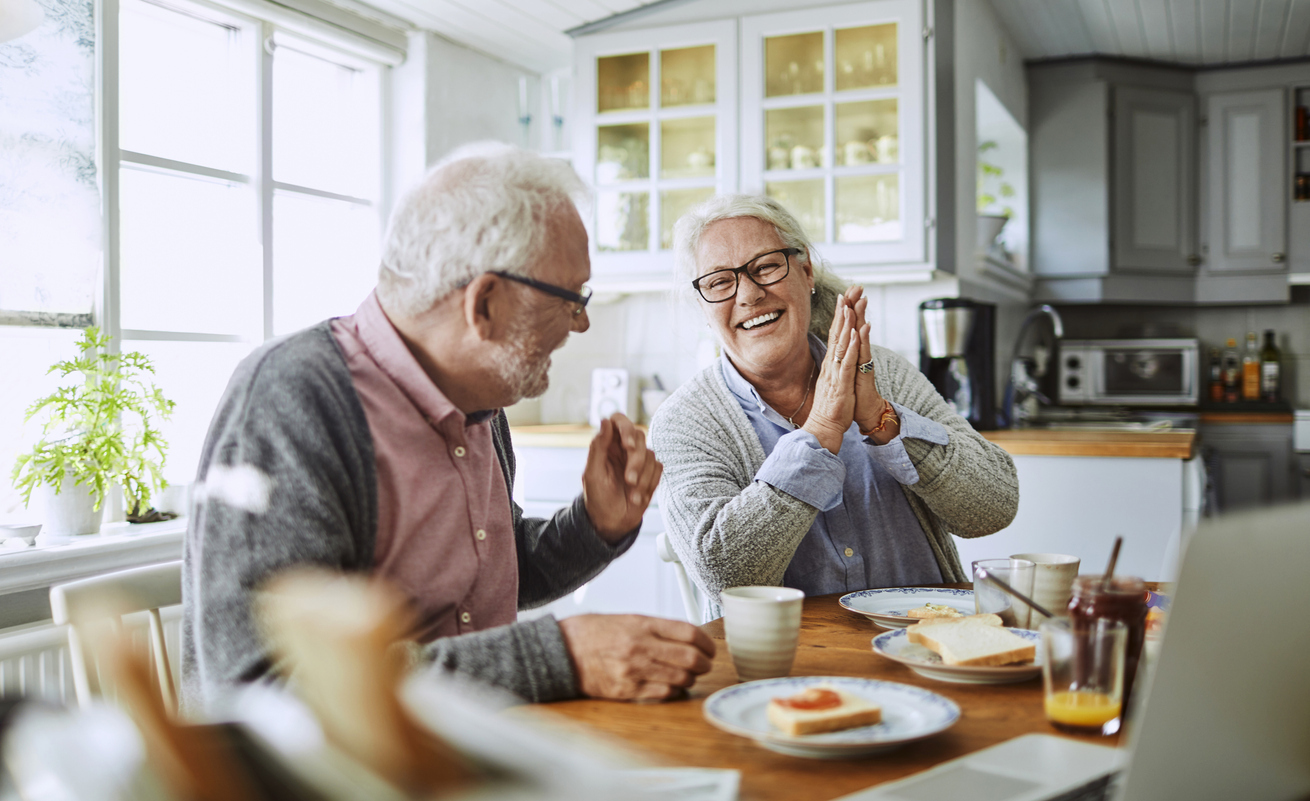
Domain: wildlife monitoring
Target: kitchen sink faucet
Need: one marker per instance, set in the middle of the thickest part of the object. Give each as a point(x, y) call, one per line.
point(1022, 385)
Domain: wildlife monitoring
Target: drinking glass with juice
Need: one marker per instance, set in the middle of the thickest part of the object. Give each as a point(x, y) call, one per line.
point(1083, 675)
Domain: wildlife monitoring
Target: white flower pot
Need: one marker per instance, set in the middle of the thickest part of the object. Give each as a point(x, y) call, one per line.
point(989, 227)
point(71, 511)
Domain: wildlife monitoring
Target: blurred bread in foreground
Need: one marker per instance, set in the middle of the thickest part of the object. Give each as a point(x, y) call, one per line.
point(342, 642)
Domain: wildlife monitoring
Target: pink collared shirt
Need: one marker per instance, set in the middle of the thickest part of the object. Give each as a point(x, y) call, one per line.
point(445, 533)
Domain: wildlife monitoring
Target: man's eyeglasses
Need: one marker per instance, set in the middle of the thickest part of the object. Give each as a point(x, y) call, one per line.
point(765, 270)
point(581, 299)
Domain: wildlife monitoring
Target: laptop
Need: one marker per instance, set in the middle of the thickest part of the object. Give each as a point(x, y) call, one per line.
point(1225, 713)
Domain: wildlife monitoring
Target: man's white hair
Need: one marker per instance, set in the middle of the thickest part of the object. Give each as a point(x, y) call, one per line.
point(486, 206)
point(689, 228)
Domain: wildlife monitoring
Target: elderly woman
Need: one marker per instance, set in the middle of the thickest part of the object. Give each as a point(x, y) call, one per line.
point(829, 466)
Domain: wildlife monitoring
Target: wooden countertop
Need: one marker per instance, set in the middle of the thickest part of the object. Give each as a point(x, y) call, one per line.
point(1179, 444)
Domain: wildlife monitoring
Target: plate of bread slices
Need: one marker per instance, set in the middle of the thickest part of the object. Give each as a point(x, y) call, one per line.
point(898, 607)
point(975, 649)
point(829, 717)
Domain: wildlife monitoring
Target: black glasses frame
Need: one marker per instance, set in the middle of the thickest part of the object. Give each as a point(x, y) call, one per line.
point(582, 299)
point(737, 273)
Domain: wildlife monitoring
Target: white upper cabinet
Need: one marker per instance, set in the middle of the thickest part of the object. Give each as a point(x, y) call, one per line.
point(832, 125)
point(1154, 132)
point(656, 133)
point(1248, 188)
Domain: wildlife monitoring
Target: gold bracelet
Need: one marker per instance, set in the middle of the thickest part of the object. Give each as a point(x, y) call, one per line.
point(888, 416)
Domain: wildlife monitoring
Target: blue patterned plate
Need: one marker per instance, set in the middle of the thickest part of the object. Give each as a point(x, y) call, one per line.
point(896, 646)
point(887, 607)
point(908, 714)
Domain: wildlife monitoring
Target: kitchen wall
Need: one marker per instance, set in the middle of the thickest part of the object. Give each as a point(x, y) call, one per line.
point(1212, 325)
point(655, 333)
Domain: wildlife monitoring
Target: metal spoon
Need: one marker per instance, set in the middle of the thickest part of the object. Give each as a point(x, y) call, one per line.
point(986, 576)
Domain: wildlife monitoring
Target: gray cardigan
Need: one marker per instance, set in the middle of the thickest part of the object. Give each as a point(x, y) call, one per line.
point(290, 419)
point(730, 530)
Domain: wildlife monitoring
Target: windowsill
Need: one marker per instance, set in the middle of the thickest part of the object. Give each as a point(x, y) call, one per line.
point(119, 546)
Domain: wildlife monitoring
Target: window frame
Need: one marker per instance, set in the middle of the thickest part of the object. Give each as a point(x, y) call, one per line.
point(273, 27)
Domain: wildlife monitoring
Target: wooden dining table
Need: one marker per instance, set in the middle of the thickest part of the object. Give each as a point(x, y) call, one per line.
point(833, 642)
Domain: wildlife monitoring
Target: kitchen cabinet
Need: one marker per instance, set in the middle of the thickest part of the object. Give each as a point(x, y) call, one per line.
point(1248, 192)
point(1153, 194)
point(1250, 464)
point(655, 133)
point(832, 125)
point(831, 120)
point(1114, 175)
point(638, 582)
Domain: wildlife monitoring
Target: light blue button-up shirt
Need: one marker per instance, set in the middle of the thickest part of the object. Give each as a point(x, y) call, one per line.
point(866, 534)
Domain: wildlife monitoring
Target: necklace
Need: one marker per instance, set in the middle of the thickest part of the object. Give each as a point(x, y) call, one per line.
point(808, 387)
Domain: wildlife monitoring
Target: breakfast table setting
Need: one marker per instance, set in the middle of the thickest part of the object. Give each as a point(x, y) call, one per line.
point(852, 641)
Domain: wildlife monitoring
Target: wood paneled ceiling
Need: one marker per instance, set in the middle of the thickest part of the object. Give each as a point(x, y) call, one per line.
point(530, 33)
point(1197, 32)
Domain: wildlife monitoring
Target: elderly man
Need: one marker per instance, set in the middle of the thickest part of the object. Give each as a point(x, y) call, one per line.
point(375, 443)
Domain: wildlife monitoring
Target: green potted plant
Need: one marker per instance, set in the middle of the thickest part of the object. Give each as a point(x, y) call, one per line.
point(992, 189)
point(99, 431)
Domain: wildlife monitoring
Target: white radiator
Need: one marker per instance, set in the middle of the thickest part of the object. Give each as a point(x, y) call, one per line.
point(34, 661)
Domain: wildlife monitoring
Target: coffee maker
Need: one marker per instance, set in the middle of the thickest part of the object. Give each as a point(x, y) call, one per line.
point(957, 347)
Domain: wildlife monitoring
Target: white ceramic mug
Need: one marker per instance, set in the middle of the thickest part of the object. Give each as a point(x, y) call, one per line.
point(762, 625)
point(1053, 578)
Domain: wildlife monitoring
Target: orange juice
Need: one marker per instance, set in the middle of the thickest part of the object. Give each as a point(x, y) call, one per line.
point(1081, 709)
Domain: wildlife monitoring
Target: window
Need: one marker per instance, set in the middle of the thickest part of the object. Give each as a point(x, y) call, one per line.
point(243, 190)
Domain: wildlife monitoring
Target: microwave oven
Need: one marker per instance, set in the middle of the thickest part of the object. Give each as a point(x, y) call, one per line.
point(1129, 372)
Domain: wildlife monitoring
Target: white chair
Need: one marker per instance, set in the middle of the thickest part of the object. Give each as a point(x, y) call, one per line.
point(95, 601)
point(690, 595)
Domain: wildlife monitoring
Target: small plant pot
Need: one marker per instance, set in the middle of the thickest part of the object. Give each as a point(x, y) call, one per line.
point(71, 512)
point(989, 227)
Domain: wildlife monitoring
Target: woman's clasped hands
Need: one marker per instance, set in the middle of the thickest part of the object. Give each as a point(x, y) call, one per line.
point(846, 391)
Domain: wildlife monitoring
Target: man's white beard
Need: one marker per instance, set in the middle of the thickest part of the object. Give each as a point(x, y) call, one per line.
point(522, 365)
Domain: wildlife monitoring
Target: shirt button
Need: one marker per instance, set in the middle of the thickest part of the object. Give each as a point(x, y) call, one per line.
point(850, 552)
point(480, 534)
point(459, 450)
point(465, 617)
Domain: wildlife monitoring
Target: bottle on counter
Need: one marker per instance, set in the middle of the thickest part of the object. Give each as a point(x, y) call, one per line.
point(1232, 372)
point(1269, 376)
point(1251, 369)
point(1216, 375)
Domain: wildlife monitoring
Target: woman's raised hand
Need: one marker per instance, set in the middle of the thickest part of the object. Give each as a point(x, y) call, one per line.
point(869, 404)
point(834, 393)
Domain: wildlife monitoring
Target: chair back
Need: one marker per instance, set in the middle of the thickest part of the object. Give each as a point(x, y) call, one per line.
point(102, 600)
point(690, 596)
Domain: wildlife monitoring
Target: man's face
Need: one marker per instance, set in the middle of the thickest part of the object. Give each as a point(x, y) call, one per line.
point(543, 322)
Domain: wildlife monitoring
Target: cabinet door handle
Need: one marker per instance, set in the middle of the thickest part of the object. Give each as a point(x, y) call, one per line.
point(1194, 260)
point(1279, 258)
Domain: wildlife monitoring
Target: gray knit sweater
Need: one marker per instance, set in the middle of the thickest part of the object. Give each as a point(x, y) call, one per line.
point(287, 477)
point(730, 530)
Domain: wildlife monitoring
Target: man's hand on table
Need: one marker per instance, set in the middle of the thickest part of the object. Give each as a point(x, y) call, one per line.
point(619, 479)
point(633, 657)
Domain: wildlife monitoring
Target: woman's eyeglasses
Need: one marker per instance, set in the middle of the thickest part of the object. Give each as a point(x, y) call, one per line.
point(765, 270)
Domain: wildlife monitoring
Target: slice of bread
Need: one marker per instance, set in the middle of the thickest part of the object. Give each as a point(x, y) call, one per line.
point(977, 645)
point(915, 632)
point(853, 711)
point(934, 611)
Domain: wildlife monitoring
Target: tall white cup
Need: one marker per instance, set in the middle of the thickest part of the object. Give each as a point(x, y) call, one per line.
point(1052, 578)
point(762, 625)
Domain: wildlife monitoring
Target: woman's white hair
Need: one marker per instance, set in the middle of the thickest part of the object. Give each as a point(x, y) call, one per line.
point(486, 206)
point(691, 226)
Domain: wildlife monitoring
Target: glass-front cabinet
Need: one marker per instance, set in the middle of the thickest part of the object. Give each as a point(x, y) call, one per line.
point(657, 134)
point(832, 125)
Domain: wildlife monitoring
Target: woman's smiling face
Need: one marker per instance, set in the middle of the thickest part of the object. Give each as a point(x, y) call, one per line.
point(763, 329)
